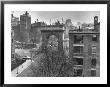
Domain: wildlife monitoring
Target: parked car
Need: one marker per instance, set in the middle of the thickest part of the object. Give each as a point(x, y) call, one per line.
point(26, 58)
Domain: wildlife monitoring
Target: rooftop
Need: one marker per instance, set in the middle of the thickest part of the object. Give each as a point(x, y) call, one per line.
point(84, 31)
point(52, 28)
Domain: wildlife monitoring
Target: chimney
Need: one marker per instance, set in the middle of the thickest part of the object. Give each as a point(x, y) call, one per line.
point(12, 15)
point(37, 20)
point(79, 27)
point(26, 13)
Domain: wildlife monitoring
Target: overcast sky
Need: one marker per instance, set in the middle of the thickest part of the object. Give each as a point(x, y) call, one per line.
point(75, 16)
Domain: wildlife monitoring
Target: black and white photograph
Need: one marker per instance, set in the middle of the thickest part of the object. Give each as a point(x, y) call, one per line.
point(55, 43)
point(60, 43)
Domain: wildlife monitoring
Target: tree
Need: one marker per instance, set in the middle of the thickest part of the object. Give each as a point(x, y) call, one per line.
point(52, 64)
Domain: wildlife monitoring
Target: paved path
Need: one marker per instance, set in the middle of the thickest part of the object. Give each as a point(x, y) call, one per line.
point(20, 68)
point(28, 72)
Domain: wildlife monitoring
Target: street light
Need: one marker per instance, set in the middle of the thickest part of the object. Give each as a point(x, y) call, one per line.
point(17, 70)
point(31, 52)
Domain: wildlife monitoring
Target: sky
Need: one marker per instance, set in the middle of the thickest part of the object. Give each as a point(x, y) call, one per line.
point(75, 16)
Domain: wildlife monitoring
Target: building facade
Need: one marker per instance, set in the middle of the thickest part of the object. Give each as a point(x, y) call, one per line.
point(14, 23)
point(25, 26)
point(84, 50)
point(12, 44)
point(14, 20)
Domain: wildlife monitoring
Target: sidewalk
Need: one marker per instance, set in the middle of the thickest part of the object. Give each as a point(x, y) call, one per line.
point(20, 68)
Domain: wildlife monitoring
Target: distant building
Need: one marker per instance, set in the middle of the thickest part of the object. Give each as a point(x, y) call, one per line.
point(66, 46)
point(79, 24)
point(38, 24)
point(14, 23)
point(12, 44)
point(96, 24)
point(14, 20)
point(84, 50)
point(68, 26)
point(87, 26)
point(25, 26)
point(35, 32)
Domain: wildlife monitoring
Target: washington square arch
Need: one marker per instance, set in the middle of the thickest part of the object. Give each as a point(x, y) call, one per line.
point(52, 46)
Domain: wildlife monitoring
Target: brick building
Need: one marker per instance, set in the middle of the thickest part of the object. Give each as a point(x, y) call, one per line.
point(84, 50)
point(25, 26)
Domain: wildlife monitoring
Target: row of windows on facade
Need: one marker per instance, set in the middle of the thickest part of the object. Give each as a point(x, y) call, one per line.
point(79, 72)
point(79, 61)
point(78, 50)
point(79, 38)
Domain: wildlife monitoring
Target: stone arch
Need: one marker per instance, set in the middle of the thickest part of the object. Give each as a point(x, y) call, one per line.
point(46, 33)
point(50, 34)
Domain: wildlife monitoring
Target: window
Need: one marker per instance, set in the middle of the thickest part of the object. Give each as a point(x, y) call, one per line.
point(78, 39)
point(94, 49)
point(94, 55)
point(79, 61)
point(78, 72)
point(93, 62)
point(93, 72)
point(78, 50)
point(94, 38)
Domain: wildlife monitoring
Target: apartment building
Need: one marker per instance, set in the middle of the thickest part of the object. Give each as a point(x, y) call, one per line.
point(84, 50)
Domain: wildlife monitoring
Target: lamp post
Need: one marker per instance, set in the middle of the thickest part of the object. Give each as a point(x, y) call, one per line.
point(17, 70)
point(31, 52)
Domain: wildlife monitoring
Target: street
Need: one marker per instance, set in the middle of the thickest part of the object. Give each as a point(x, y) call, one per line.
point(20, 68)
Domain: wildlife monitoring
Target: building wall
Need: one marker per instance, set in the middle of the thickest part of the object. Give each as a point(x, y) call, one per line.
point(12, 42)
point(87, 62)
point(25, 26)
point(91, 49)
point(35, 34)
point(87, 53)
point(14, 20)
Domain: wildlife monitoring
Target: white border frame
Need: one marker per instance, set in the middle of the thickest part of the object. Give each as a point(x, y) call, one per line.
point(55, 7)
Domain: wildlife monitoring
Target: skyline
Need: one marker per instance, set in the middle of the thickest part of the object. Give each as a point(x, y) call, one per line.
point(75, 16)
